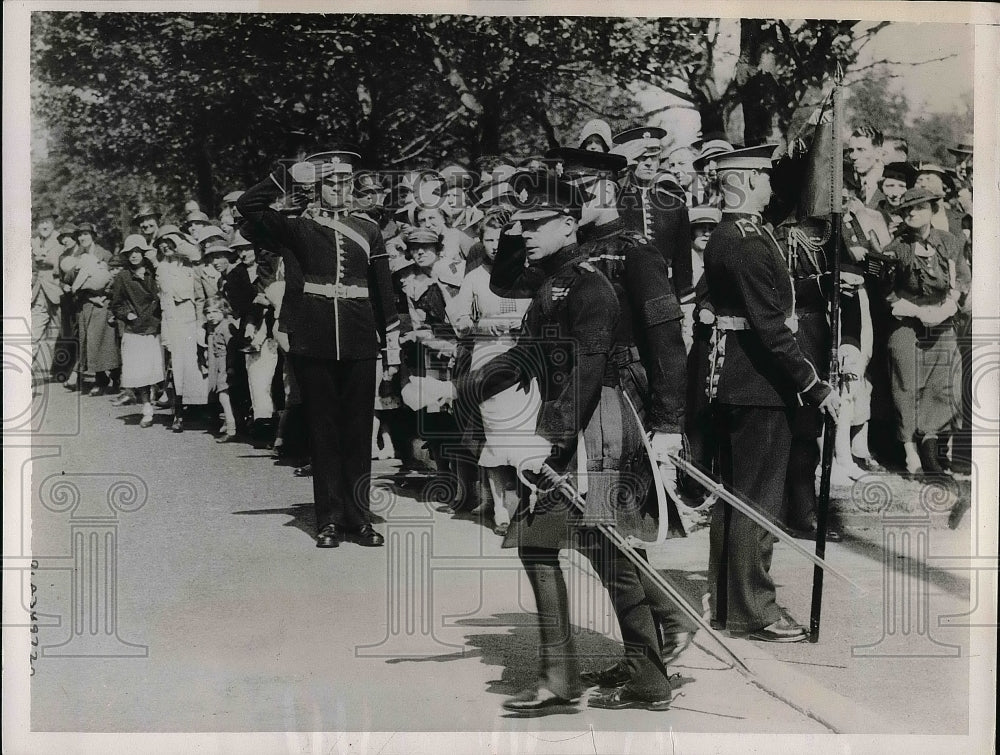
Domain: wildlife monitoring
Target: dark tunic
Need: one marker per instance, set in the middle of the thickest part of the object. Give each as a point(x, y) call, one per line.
point(660, 214)
point(564, 344)
point(762, 371)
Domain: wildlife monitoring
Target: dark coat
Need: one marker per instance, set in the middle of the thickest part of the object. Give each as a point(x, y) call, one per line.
point(141, 296)
point(649, 348)
point(661, 215)
point(328, 249)
point(747, 277)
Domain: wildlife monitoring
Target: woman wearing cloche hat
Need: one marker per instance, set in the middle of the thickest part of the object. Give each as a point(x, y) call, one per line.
point(928, 284)
point(135, 301)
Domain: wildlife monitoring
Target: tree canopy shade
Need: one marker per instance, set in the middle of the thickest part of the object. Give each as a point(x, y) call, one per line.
point(197, 104)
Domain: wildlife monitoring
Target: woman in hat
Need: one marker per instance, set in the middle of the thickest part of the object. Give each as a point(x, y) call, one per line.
point(596, 136)
point(896, 179)
point(182, 300)
point(939, 181)
point(135, 301)
point(490, 319)
point(430, 344)
point(927, 285)
point(99, 352)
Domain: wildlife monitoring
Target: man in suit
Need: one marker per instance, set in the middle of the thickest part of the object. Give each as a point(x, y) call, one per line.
point(347, 306)
point(652, 203)
point(762, 376)
point(46, 289)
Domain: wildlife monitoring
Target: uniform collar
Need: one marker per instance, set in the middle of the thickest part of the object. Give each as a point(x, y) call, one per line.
point(754, 216)
point(607, 230)
point(562, 258)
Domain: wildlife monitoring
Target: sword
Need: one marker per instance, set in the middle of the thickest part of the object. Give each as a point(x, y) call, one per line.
point(718, 490)
point(623, 544)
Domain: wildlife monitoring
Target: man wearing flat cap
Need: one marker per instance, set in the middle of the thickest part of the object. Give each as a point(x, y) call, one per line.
point(566, 340)
point(652, 203)
point(762, 375)
point(347, 306)
point(46, 289)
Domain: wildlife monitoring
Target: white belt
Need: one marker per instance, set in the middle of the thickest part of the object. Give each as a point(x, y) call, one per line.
point(735, 322)
point(335, 290)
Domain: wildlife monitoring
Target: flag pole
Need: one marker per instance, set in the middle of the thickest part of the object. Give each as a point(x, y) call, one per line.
point(829, 425)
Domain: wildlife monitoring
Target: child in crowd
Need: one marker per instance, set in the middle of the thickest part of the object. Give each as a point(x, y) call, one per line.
point(219, 329)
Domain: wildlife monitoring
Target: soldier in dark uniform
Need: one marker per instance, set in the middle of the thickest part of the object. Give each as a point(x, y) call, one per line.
point(653, 204)
point(649, 354)
point(333, 335)
point(762, 375)
point(566, 340)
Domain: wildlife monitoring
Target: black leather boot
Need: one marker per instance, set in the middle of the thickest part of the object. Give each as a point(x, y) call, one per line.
point(928, 450)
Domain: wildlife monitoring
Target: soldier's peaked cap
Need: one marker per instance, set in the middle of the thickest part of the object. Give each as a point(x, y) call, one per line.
point(586, 160)
point(335, 161)
point(639, 132)
point(541, 194)
point(747, 158)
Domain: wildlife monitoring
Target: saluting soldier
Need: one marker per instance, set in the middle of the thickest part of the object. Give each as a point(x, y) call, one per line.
point(346, 307)
point(652, 203)
point(567, 338)
point(649, 355)
point(762, 376)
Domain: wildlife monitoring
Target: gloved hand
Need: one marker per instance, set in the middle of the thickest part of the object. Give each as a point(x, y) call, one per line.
point(530, 453)
point(427, 393)
point(666, 444)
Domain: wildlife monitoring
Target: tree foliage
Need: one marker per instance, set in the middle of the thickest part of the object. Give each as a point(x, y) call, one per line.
point(186, 105)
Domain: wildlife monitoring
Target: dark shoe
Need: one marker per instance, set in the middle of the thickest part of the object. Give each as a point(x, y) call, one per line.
point(366, 536)
point(942, 452)
point(615, 676)
point(928, 451)
point(783, 630)
point(146, 422)
point(961, 467)
point(809, 533)
point(624, 697)
point(870, 465)
point(674, 645)
point(96, 391)
point(177, 425)
point(540, 702)
point(328, 537)
point(305, 471)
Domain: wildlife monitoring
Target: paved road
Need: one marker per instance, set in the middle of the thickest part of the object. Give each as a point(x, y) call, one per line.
point(228, 619)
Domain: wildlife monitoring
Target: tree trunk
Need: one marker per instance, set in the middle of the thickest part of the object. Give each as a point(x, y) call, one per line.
point(756, 86)
point(489, 126)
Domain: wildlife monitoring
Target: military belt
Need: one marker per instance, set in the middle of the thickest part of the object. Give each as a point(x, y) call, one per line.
point(335, 290)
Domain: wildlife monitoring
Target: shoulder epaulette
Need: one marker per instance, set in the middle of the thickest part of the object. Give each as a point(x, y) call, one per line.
point(586, 266)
